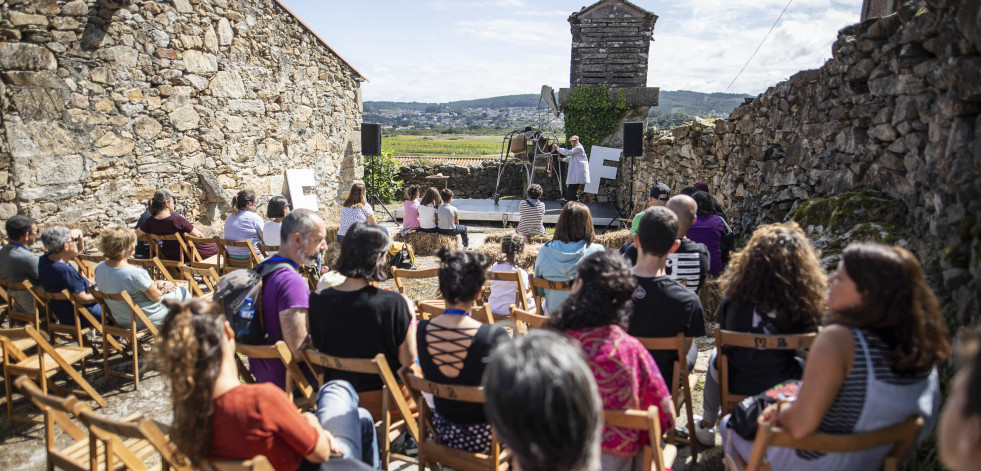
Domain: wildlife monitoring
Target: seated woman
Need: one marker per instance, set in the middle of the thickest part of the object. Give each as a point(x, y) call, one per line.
point(116, 275)
point(595, 314)
point(55, 274)
point(709, 229)
point(355, 209)
point(243, 224)
point(217, 417)
point(276, 210)
point(164, 221)
point(356, 319)
point(453, 349)
point(428, 208)
point(872, 366)
point(774, 286)
point(558, 258)
point(410, 209)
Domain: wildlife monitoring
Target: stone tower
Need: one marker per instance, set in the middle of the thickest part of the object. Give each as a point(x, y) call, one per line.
point(610, 44)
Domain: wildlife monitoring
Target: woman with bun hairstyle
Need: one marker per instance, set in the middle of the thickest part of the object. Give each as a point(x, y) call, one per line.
point(243, 224)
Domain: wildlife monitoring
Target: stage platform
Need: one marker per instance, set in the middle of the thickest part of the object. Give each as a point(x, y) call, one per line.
point(507, 211)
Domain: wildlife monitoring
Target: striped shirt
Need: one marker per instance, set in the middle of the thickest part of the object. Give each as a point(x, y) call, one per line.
point(531, 212)
point(689, 264)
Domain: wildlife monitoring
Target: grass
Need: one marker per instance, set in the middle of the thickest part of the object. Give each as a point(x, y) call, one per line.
point(456, 145)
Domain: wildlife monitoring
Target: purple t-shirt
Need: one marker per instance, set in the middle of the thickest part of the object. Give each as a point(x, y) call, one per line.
point(283, 289)
point(709, 230)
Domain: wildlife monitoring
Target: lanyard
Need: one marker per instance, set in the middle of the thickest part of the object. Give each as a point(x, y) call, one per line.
point(279, 258)
point(456, 312)
point(19, 245)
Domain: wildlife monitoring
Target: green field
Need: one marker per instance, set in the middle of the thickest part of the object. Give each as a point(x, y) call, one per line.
point(438, 146)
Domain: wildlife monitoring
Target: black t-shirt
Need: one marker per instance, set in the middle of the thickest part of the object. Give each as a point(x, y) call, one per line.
point(359, 324)
point(471, 372)
point(689, 264)
point(663, 308)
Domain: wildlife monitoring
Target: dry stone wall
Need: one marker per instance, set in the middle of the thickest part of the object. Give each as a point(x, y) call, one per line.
point(895, 112)
point(104, 101)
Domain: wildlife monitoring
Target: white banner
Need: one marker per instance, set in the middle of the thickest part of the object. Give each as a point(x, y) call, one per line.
point(597, 170)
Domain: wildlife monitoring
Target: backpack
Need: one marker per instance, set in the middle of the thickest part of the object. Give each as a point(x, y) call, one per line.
point(234, 287)
point(401, 256)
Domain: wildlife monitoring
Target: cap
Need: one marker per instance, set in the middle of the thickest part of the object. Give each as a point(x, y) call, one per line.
point(164, 194)
point(701, 186)
point(574, 138)
point(660, 192)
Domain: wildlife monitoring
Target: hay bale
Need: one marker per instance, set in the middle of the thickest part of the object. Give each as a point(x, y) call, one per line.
point(613, 240)
point(426, 244)
point(527, 260)
point(333, 248)
point(497, 238)
point(711, 296)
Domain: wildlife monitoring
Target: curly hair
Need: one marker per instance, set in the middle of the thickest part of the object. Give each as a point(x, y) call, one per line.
point(606, 296)
point(115, 241)
point(512, 244)
point(188, 352)
point(461, 274)
point(897, 305)
point(778, 271)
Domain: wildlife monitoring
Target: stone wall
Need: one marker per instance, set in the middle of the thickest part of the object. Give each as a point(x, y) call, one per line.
point(477, 180)
point(611, 42)
point(105, 101)
point(894, 112)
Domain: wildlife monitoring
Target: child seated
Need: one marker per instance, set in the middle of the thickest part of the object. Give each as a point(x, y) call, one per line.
point(504, 293)
point(410, 215)
point(427, 210)
point(448, 217)
point(531, 211)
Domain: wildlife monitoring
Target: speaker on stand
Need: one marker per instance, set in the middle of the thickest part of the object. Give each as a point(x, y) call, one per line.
point(371, 147)
point(633, 146)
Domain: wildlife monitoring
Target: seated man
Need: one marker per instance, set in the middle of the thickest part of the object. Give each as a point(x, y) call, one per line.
point(17, 262)
point(543, 402)
point(690, 263)
point(55, 274)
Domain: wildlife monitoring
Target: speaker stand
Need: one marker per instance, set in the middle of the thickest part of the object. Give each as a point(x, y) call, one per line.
point(629, 205)
point(373, 196)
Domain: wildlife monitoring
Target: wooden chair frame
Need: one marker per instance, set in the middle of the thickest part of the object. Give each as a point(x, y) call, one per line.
point(391, 392)
point(646, 421)
point(112, 434)
point(729, 338)
point(294, 376)
point(132, 334)
point(521, 295)
point(267, 250)
point(87, 262)
point(680, 383)
point(155, 267)
point(431, 451)
point(46, 362)
point(400, 274)
point(192, 243)
point(207, 274)
point(542, 283)
point(155, 241)
point(524, 320)
point(228, 265)
point(428, 309)
point(27, 318)
point(902, 436)
point(75, 330)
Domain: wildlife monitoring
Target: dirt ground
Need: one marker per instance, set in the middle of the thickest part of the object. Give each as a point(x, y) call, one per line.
point(22, 445)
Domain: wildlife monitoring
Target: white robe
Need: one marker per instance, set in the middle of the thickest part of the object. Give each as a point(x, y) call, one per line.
point(578, 164)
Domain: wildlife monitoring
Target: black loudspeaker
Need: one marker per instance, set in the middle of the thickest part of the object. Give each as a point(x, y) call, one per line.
point(371, 139)
point(633, 139)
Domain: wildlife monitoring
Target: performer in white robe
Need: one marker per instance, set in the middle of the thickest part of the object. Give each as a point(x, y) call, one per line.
point(578, 174)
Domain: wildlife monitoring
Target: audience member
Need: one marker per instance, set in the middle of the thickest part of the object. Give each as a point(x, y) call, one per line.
point(449, 218)
point(578, 173)
point(959, 431)
point(410, 209)
point(218, 417)
point(115, 275)
point(505, 293)
point(658, 197)
point(774, 286)
point(453, 349)
point(355, 209)
point(687, 190)
point(17, 263)
point(543, 402)
point(558, 258)
point(55, 274)
point(690, 263)
point(277, 209)
point(531, 211)
point(708, 229)
point(142, 247)
point(165, 221)
point(428, 208)
point(356, 319)
point(243, 224)
point(871, 367)
point(663, 307)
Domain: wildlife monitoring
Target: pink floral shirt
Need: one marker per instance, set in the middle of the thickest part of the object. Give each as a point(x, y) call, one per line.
point(627, 378)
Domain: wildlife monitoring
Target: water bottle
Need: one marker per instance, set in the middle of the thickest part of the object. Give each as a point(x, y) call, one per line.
point(244, 317)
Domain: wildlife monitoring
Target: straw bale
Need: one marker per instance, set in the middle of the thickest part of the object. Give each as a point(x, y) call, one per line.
point(497, 238)
point(426, 244)
point(711, 296)
point(613, 240)
point(527, 260)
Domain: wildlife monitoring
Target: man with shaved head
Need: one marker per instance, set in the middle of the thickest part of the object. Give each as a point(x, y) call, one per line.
point(690, 263)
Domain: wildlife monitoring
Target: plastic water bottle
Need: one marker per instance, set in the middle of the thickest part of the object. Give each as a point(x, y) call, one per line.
point(244, 317)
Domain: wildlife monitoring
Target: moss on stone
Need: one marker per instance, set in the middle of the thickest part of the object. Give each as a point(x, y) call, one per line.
point(966, 228)
point(839, 212)
point(957, 255)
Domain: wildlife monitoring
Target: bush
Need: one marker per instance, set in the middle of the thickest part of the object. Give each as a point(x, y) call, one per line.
point(386, 185)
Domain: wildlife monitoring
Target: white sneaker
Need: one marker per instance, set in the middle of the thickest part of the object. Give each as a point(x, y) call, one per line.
point(705, 436)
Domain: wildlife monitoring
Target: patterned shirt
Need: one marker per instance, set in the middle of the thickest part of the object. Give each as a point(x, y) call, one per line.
point(627, 378)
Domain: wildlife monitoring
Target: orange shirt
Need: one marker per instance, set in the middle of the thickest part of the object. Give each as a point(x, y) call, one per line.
point(259, 419)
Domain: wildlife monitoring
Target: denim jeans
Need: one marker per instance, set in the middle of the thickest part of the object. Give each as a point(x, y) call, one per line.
point(459, 229)
point(352, 427)
point(712, 392)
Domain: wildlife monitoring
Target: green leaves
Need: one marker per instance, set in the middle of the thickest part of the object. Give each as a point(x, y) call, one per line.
point(591, 115)
point(385, 184)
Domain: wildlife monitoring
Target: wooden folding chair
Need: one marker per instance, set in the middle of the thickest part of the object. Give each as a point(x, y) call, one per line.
point(204, 271)
point(431, 451)
point(87, 262)
point(901, 436)
point(541, 283)
point(172, 266)
point(257, 463)
point(133, 334)
point(294, 376)
point(728, 338)
point(524, 320)
point(680, 382)
point(429, 309)
point(230, 263)
point(267, 250)
point(399, 275)
point(45, 363)
point(75, 330)
point(114, 435)
point(155, 267)
point(192, 246)
point(521, 295)
point(33, 315)
point(655, 458)
point(391, 393)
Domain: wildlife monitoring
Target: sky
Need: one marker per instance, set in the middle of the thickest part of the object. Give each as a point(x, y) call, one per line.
point(447, 50)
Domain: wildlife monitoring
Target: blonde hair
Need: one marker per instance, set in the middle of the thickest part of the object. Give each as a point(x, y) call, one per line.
point(115, 242)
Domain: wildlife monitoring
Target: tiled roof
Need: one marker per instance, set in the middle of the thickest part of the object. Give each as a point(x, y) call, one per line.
point(462, 161)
